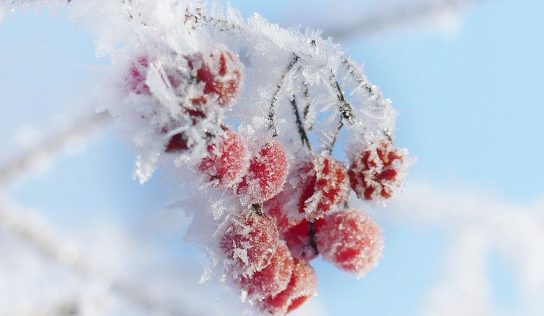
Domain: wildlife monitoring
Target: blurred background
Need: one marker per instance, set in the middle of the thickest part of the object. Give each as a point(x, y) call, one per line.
point(79, 236)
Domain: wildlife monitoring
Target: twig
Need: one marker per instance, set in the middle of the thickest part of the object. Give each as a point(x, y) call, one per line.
point(275, 96)
point(300, 125)
point(344, 108)
point(51, 247)
point(380, 21)
point(19, 166)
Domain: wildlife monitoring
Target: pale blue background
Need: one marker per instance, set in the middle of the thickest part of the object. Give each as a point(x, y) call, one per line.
point(471, 109)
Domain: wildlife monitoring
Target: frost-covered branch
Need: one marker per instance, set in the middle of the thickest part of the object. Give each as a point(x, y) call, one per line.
point(300, 125)
point(39, 237)
point(412, 12)
point(22, 164)
point(275, 96)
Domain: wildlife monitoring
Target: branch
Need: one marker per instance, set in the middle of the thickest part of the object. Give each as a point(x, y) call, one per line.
point(300, 126)
point(344, 108)
point(33, 231)
point(374, 23)
point(19, 166)
point(275, 96)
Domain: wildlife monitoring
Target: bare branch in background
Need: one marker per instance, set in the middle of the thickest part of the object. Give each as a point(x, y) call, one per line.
point(397, 16)
point(19, 166)
point(39, 236)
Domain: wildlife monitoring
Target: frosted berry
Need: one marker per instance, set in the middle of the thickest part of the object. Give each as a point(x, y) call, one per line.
point(273, 278)
point(301, 287)
point(376, 172)
point(325, 186)
point(351, 240)
point(220, 74)
point(249, 242)
point(227, 161)
point(301, 239)
point(266, 174)
point(135, 80)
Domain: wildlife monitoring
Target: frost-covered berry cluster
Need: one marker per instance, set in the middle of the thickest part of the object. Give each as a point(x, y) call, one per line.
point(248, 120)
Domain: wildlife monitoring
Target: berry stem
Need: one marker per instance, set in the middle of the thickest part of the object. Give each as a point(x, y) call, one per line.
point(345, 109)
point(275, 96)
point(306, 93)
point(301, 130)
point(313, 242)
point(376, 97)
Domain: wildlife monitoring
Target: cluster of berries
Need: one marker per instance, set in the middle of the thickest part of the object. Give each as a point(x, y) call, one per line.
point(288, 214)
point(269, 248)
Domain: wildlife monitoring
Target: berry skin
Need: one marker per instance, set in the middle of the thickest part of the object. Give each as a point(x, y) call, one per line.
point(325, 187)
point(301, 239)
point(177, 143)
point(227, 161)
point(351, 241)
point(249, 243)
point(376, 172)
point(220, 74)
point(274, 278)
point(135, 80)
point(266, 174)
point(301, 287)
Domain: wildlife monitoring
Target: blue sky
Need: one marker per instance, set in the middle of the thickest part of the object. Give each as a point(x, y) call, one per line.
point(470, 109)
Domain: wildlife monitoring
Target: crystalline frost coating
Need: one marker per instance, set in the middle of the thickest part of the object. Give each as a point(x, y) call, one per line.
point(266, 175)
point(301, 287)
point(273, 278)
point(378, 171)
point(226, 162)
point(249, 242)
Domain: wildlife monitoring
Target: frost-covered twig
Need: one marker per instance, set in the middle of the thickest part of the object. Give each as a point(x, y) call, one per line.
point(20, 165)
point(300, 125)
point(41, 239)
point(275, 96)
point(398, 16)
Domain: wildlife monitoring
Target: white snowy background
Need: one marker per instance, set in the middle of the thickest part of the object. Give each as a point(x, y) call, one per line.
point(465, 237)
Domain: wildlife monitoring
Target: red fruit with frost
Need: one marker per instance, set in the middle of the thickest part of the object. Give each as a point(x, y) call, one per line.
point(301, 287)
point(249, 243)
point(266, 174)
point(301, 239)
point(219, 73)
point(351, 240)
point(137, 75)
point(274, 278)
point(377, 172)
point(325, 186)
point(227, 161)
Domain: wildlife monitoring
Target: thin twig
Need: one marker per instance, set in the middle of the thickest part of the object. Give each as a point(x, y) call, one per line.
point(380, 21)
point(300, 125)
point(20, 165)
point(35, 234)
point(344, 108)
point(275, 96)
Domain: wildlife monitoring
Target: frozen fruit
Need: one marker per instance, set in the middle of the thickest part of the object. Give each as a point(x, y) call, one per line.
point(377, 171)
point(249, 242)
point(351, 240)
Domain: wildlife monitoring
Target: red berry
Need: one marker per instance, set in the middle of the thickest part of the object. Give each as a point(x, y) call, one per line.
point(274, 278)
point(266, 174)
point(377, 171)
point(301, 287)
point(351, 241)
point(220, 74)
point(177, 143)
point(249, 242)
point(137, 76)
point(227, 161)
point(326, 186)
point(301, 239)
